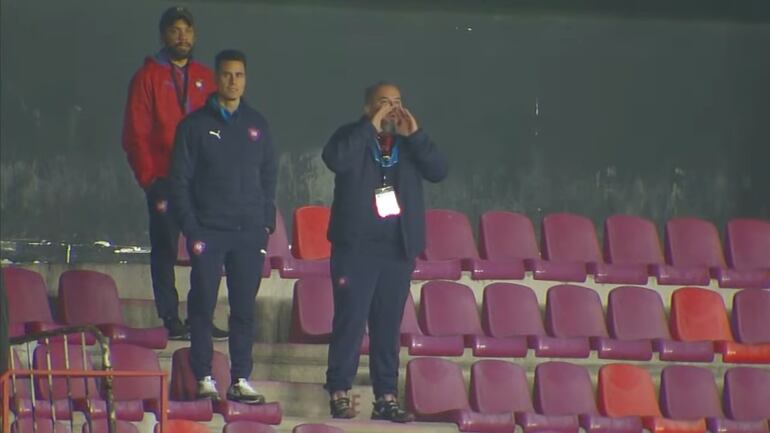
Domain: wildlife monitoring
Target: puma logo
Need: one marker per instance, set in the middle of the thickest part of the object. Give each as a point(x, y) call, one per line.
point(216, 133)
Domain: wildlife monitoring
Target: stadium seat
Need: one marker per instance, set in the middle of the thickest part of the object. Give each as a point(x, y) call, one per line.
point(449, 246)
point(420, 344)
point(316, 428)
point(747, 247)
point(508, 240)
point(281, 258)
point(146, 390)
point(101, 426)
point(247, 427)
point(91, 298)
point(183, 387)
point(562, 256)
point(636, 313)
point(575, 312)
point(751, 321)
point(564, 391)
point(449, 309)
point(182, 426)
point(21, 397)
point(435, 391)
point(40, 425)
point(28, 308)
point(693, 243)
point(690, 393)
point(499, 387)
point(309, 240)
point(746, 394)
point(628, 391)
point(699, 315)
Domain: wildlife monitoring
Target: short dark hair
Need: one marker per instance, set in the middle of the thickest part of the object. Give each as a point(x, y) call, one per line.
point(229, 55)
point(371, 90)
point(174, 14)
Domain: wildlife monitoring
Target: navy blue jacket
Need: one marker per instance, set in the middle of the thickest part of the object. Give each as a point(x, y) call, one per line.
point(223, 171)
point(349, 155)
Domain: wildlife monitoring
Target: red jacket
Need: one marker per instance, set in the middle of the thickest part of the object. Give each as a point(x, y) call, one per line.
point(153, 111)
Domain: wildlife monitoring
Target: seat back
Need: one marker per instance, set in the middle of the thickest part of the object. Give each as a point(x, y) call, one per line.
point(101, 426)
point(569, 238)
point(316, 428)
point(499, 387)
point(507, 236)
point(27, 296)
point(631, 240)
point(693, 242)
point(183, 382)
point(409, 322)
point(278, 242)
point(247, 427)
point(510, 309)
point(448, 308)
point(62, 358)
point(747, 243)
point(751, 321)
point(434, 385)
point(309, 237)
point(636, 313)
point(41, 425)
point(127, 357)
point(563, 389)
point(574, 311)
point(312, 310)
point(699, 314)
point(689, 392)
point(448, 235)
point(182, 426)
point(88, 297)
point(747, 393)
point(626, 390)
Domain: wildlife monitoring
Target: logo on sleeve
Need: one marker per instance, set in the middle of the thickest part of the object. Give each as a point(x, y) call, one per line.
point(254, 134)
point(199, 84)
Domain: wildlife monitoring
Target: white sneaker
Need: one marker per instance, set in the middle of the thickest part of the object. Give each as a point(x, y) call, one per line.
point(207, 388)
point(243, 392)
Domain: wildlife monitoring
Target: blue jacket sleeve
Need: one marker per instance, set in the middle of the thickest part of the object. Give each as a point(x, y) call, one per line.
point(346, 147)
point(431, 162)
point(180, 181)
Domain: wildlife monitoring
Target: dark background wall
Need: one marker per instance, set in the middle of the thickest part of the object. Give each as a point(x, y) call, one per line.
point(597, 110)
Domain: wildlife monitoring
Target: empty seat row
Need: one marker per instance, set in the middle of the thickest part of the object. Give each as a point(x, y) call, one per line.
point(563, 398)
point(84, 298)
point(133, 396)
point(172, 426)
point(635, 324)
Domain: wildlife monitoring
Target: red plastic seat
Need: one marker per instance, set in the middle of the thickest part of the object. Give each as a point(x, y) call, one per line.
point(247, 427)
point(435, 391)
point(627, 391)
point(699, 315)
point(747, 246)
point(28, 308)
point(309, 240)
point(182, 426)
point(507, 239)
point(183, 388)
point(449, 309)
point(281, 258)
point(91, 298)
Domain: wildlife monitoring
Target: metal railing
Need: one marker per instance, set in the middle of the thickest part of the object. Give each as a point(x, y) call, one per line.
point(10, 381)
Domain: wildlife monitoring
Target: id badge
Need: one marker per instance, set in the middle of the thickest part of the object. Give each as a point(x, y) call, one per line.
point(386, 202)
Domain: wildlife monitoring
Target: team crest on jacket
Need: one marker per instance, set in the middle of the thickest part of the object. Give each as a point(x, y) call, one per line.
point(254, 134)
point(198, 247)
point(199, 84)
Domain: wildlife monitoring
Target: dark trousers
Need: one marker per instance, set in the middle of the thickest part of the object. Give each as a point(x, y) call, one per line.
point(164, 234)
point(240, 254)
point(373, 289)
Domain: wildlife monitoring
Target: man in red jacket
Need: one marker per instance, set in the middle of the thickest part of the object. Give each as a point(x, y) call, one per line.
point(169, 85)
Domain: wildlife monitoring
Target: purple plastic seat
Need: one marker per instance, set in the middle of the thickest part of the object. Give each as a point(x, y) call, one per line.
point(183, 388)
point(247, 427)
point(750, 318)
point(146, 390)
point(747, 248)
point(42, 425)
point(512, 311)
point(690, 393)
point(694, 243)
point(21, 397)
point(449, 246)
point(91, 298)
point(449, 309)
point(637, 313)
point(316, 428)
point(575, 312)
point(101, 426)
point(506, 241)
point(499, 387)
point(746, 394)
point(420, 344)
point(435, 391)
point(564, 390)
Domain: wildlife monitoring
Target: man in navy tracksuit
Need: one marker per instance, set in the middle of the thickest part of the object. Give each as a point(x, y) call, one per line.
point(377, 228)
point(223, 177)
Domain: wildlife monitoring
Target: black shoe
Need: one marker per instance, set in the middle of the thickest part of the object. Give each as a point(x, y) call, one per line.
point(389, 410)
point(219, 334)
point(177, 330)
point(340, 408)
point(242, 392)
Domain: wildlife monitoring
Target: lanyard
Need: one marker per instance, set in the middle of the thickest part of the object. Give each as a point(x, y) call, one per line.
point(181, 96)
point(385, 161)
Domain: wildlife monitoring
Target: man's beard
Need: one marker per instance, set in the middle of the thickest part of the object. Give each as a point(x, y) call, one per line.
point(389, 126)
point(179, 53)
